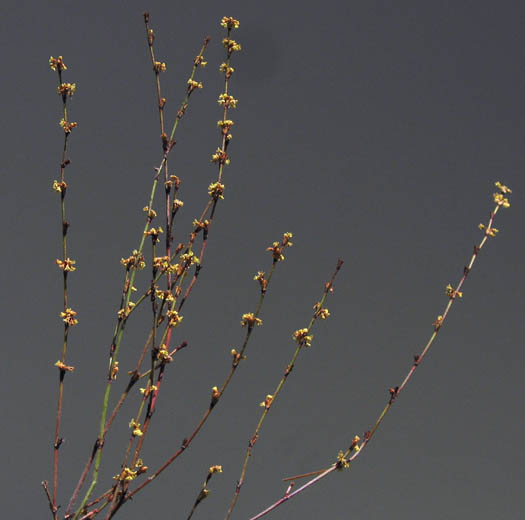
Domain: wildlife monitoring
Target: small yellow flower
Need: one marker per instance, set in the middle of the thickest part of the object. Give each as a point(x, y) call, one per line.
point(199, 60)
point(67, 126)
point(64, 367)
point(66, 265)
point(135, 261)
point(250, 319)
point(114, 370)
point(452, 293)
point(341, 461)
point(489, 231)
point(192, 85)
point(267, 401)
point(199, 224)
point(502, 188)
point(57, 63)
point(319, 312)
point(126, 475)
point(189, 258)
point(500, 200)
point(437, 324)
point(151, 212)
point(215, 469)
point(227, 100)
point(220, 156)
point(174, 318)
point(59, 187)
point(67, 89)
point(231, 45)
point(147, 391)
point(163, 354)
point(159, 66)
point(229, 23)
point(302, 337)
point(216, 190)
point(68, 317)
point(227, 70)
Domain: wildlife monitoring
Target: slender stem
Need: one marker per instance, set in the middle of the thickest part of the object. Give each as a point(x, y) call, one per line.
point(302, 340)
point(130, 277)
point(345, 459)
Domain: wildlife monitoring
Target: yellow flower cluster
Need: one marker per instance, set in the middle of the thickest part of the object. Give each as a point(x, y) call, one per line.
point(57, 63)
point(277, 248)
point(67, 89)
point(189, 258)
point(220, 157)
point(66, 265)
point(216, 190)
point(231, 45)
point(267, 401)
point(174, 318)
point(227, 100)
point(136, 261)
point(159, 66)
point(302, 337)
point(59, 187)
point(163, 354)
point(192, 85)
point(229, 23)
point(226, 69)
point(319, 312)
point(452, 293)
point(68, 317)
point(64, 367)
point(68, 126)
point(250, 319)
point(489, 231)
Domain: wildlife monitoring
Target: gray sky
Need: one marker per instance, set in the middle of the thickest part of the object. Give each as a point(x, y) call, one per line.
point(373, 131)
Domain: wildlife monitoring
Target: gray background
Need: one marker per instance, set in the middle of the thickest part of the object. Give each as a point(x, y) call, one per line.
point(374, 132)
